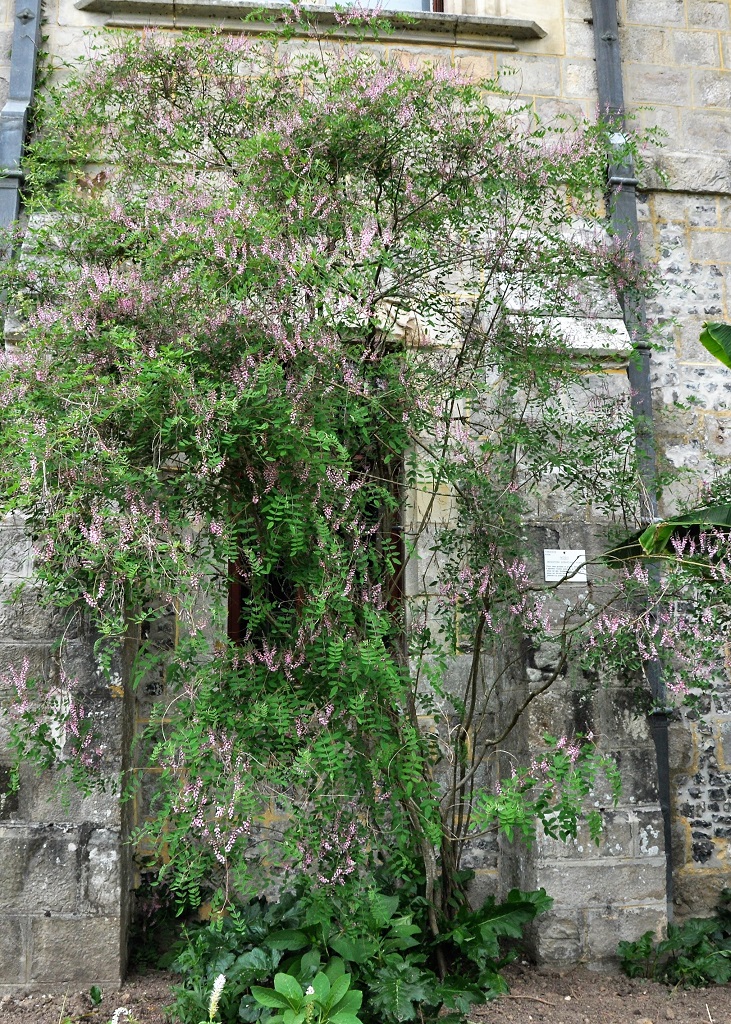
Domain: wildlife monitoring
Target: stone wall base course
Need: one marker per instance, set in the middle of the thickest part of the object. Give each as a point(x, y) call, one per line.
point(12, 951)
point(605, 929)
point(55, 943)
point(696, 889)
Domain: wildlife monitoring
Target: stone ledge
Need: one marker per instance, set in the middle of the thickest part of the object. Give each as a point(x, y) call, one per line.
point(604, 339)
point(486, 33)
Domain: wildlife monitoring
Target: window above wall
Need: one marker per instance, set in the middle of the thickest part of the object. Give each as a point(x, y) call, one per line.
point(441, 22)
point(413, 5)
point(435, 6)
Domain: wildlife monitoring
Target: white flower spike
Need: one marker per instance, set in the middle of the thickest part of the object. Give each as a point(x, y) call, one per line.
point(216, 995)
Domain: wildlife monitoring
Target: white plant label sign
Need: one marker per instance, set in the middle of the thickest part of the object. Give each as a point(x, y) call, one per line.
point(560, 563)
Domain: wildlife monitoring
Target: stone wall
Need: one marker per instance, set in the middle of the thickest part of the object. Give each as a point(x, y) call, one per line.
point(63, 866)
point(64, 870)
point(617, 889)
point(677, 76)
point(676, 61)
point(6, 38)
point(604, 893)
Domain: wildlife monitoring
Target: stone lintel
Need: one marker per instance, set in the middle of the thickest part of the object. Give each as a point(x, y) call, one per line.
point(483, 32)
point(604, 339)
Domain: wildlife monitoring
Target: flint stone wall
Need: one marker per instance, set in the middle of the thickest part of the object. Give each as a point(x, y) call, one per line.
point(678, 59)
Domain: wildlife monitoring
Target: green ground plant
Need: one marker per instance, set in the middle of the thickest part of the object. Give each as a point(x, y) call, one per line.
point(696, 953)
point(388, 957)
point(328, 999)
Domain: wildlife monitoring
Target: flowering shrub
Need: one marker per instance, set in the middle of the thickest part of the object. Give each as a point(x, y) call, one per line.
point(306, 327)
point(549, 791)
point(51, 726)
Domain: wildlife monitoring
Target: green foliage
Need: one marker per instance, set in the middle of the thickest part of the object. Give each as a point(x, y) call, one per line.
point(364, 954)
point(156, 924)
point(656, 540)
point(696, 953)
point(550, 791)
point(328, 999)
point(233, 945)
point(478, 937)
point(717, 339)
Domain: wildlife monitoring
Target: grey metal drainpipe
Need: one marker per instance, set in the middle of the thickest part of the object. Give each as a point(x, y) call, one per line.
point(14, 115)
point(622, 186)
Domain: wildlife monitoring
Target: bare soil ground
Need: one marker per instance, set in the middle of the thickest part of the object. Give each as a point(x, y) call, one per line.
point(581, 996)
point(145, 996)
point(540, 995)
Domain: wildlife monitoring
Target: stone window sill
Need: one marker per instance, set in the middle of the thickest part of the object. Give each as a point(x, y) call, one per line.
point(475, 32)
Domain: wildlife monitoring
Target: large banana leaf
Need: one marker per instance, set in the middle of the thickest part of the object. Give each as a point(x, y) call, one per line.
point(655, 539)
point(717, 339)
